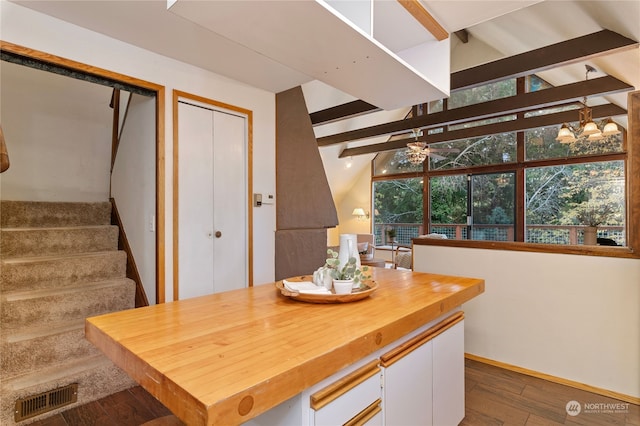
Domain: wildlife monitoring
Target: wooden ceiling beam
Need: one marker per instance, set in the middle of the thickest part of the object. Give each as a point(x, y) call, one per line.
point(554, 55)
point(523, 102)
point(574, 50)
point(425, 19)
point(600, 111)
point(463, 35)
point(341, 112)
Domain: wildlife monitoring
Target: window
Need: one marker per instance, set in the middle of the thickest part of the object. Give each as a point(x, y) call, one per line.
point(480, 151)
point(474, 207)
point(393, 162)
point(521, 186)
point(398, 207)
point(449, 209)
point(487, 92)
point(562, 200)
point(541, 144)
point(492, 207)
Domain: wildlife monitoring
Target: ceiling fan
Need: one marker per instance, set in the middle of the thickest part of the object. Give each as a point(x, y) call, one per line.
point(418, 151)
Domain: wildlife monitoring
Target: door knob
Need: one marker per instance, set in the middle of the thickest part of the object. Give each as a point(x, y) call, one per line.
point(218, 234)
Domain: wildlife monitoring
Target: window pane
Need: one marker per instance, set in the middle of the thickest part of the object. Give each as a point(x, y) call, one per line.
point(484, 122)
point(488, 92)
point(541, 144)
point(449, 206)
point(436, 106)
point(392, 162)
point(553, 110)
point(559, 198)
point(485, 150)
point(492, 199)
point(535, 83)
point(398, 206)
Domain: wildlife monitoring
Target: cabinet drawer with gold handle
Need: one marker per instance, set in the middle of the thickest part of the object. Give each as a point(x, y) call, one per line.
point(345, 398)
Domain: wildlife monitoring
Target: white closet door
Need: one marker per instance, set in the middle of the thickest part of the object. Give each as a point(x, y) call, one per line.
point(212, 201)
point(230, 202)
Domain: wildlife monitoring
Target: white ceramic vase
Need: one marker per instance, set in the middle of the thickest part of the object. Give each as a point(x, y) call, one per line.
point(348, 249)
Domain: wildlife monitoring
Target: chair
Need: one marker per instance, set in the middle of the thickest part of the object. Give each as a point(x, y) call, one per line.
point(403, 259)
point(366, 245)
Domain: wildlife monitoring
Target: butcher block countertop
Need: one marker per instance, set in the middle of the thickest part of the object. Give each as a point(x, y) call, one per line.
point(228, 357)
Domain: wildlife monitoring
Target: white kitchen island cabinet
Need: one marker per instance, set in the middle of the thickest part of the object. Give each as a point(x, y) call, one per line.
point(407, 386)
point(417, 380)
point(448, 376)
point(423, 378)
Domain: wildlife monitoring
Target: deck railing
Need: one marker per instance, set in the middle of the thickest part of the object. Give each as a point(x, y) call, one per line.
point(545, 234)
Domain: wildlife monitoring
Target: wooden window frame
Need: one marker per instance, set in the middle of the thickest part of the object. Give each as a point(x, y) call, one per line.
point(631, 156)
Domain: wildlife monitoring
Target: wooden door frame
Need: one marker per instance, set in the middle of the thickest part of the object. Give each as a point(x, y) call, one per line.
point(177, 95)
point(160, 138)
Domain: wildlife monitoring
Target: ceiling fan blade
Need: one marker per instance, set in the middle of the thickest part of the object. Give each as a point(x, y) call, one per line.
point(444, 149)
point(436, 156)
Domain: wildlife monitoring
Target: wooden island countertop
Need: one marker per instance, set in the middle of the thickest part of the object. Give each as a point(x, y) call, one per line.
point(228, 357)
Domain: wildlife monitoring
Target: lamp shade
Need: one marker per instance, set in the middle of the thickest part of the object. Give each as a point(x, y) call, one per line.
point(358, 212)
point(610, 128)
point(565, 135)
point(590, 128)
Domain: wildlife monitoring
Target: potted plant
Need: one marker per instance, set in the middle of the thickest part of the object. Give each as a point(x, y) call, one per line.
point(347, 273)
point(391, 234)
point(593, 216)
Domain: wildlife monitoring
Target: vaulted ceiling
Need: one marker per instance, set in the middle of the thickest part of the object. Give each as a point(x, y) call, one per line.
point(494, 30)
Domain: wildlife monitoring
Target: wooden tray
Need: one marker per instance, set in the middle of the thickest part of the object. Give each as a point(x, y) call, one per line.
point(366, 289)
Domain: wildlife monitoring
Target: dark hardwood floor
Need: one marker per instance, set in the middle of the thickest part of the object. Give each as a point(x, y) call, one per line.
point(494, 396)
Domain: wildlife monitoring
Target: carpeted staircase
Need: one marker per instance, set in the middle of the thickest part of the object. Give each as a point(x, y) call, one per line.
point(59, 264)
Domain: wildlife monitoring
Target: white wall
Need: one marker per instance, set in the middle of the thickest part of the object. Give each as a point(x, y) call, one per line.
point(359, 195)
point(133, 186)
point(25, 27)
point(49, 148)
point(573, 317)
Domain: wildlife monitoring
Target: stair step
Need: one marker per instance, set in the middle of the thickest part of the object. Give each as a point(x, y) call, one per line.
point(34, 349)
point(20, 242)
point(96, 376)
point(31, 273)
point(53, 306)
point(59, 265)
point(15, 214)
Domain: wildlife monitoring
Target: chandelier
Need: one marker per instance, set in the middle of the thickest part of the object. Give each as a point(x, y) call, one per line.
point(588, 130)
point(417, 151)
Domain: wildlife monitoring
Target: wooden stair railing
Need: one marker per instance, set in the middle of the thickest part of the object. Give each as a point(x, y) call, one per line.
point(115, 128)
point(123, 244)
point(4, 154)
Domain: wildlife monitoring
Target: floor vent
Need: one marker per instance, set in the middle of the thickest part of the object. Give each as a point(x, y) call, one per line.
point(45, 402)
